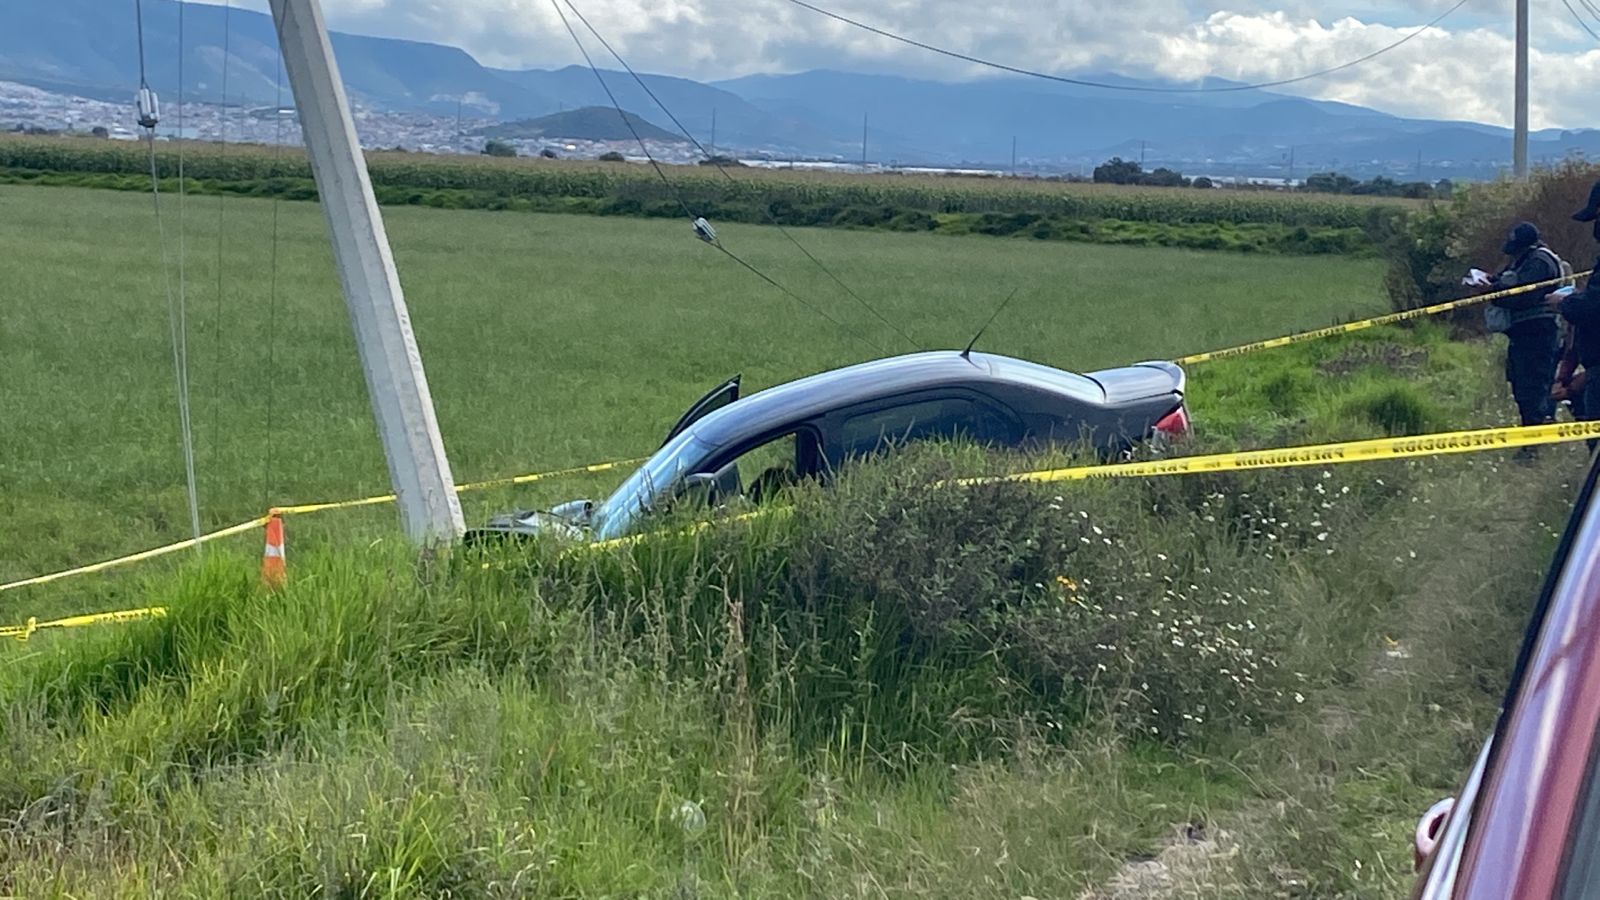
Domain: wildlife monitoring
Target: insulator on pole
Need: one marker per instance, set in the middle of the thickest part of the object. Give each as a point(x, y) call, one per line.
point(149, 108)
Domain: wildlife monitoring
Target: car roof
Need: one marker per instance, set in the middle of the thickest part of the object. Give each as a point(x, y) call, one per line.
point(814, 395)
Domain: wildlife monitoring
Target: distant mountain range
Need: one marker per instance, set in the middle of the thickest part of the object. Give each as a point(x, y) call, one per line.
point(590, 123)
point(84, 47)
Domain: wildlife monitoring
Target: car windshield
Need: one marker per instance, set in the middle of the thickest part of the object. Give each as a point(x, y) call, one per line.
point(616, 515)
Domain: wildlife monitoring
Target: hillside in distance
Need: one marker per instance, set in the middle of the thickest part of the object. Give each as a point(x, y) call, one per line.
point(85, 47)
point(589, 123)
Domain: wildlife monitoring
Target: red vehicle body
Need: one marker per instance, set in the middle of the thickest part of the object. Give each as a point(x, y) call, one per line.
point(1526, 823)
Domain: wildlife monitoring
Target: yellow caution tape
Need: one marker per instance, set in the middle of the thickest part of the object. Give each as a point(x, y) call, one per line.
point(300, 510)
point(1476, 441)
point(139, 557)
point(304, 508)
point(575, 470)
point(1439, 444)
point(692, 528)
point(23, 632)
point(1444, 443)
point(1373, 322)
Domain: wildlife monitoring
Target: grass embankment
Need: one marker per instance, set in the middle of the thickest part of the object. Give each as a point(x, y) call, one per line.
point(1110, 214)
point(550, 341)
point(896, 691)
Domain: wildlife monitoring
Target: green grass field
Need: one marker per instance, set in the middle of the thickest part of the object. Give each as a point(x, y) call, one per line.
point(1030, 690)
point(549, 340)
point(1246, 221)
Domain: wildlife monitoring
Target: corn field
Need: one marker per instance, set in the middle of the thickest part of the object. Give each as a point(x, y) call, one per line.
point(624, 185)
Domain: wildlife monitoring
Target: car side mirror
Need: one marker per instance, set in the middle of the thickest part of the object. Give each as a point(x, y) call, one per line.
point(1429, 829)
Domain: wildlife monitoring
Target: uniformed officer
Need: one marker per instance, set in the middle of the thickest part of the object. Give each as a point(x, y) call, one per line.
point(1581, 309)
point(1535, 336)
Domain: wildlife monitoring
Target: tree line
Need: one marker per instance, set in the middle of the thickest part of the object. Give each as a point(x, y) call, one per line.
point(1121, 171)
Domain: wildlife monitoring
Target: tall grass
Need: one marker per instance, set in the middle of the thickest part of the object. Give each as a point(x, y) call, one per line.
point(561, 723)
point(852, 699)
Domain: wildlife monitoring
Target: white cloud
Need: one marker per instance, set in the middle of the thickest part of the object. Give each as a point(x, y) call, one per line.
point(1462, 69)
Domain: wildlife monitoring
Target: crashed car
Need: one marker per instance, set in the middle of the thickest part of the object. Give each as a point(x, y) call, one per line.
point(727, 447)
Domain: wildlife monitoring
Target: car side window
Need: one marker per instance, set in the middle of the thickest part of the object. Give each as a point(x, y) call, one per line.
point(940, 418)
point(1581, 880)
point(764, 470)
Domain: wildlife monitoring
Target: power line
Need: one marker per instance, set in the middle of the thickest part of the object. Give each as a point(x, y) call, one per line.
point(1142, 89)
point(672, 188)
point(728, 175)
point(1579, 19)
point(1592, 9)
point(268, 435)
point(177, 324)
point(185, 408)
point(222, 202)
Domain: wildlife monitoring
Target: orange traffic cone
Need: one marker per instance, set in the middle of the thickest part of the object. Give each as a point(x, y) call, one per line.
point(272, 558)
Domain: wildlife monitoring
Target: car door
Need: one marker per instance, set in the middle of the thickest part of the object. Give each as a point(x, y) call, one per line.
point(715, 399)
point(868, 429)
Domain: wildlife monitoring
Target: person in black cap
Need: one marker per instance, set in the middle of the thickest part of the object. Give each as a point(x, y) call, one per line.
point(1534, 334)
point(1581, 309)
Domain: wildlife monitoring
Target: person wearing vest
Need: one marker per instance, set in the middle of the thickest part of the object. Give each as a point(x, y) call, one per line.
point(1534, 350)
point(1581, 309)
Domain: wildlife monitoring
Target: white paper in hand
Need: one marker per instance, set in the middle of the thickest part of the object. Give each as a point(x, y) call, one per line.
point(1477, 278)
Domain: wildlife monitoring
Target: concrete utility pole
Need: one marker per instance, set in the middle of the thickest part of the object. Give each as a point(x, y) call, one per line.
point(1519, 150)
point(401, 403)
point(863, 140)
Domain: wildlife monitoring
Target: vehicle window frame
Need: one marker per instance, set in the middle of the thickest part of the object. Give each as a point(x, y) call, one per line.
point(719, 460)
point(836, 454)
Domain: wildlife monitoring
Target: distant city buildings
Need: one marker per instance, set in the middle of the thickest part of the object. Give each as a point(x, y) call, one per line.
point(28, 108)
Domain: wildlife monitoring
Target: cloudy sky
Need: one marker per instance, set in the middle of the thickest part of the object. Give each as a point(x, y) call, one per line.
point(1460, 69)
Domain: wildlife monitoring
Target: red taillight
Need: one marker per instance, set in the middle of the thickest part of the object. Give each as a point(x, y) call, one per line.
point(1175, 423)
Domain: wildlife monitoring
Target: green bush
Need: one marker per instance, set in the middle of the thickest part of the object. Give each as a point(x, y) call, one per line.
point(1432, 249)
point(1397, 409)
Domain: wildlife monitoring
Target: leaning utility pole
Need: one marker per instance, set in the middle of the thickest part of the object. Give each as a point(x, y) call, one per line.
point(1519, 149)
point(401, 403)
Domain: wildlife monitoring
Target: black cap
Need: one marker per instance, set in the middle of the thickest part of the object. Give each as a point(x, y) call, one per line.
point(1523, 236)
point(1592, 211)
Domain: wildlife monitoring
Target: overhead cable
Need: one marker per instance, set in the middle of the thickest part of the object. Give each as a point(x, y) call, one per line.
point(706, 234)
point(709, 157)
point(1134, 88)
point(1579, 19)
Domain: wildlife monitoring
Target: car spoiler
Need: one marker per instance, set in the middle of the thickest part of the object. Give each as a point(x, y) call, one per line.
point(1140, 381)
